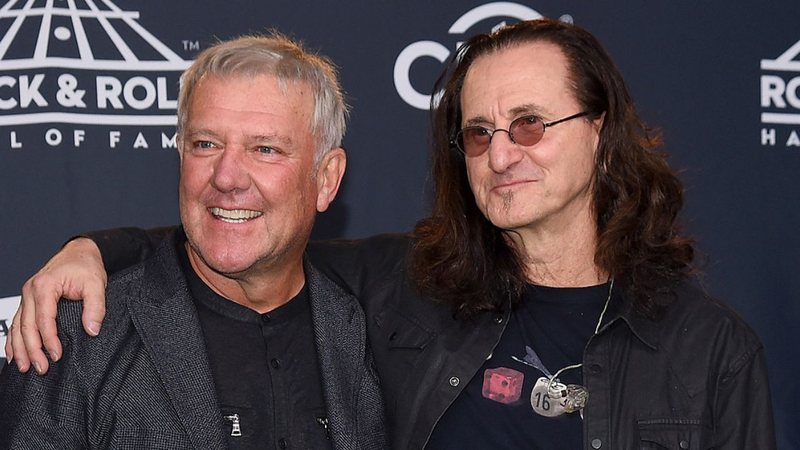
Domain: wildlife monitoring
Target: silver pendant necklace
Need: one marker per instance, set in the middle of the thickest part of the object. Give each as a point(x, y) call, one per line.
point(549, 396)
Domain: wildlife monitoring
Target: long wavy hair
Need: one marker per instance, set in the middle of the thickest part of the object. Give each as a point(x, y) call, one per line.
point(462, 259)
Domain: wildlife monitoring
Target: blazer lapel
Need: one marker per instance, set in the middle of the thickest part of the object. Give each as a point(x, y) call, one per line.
point(340, 340)
point(167, 321)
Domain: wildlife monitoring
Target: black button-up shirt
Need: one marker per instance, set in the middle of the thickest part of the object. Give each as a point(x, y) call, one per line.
point(264, 368)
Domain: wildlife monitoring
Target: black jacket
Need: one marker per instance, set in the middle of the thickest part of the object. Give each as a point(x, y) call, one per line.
point(694, 380)
point(145, 381)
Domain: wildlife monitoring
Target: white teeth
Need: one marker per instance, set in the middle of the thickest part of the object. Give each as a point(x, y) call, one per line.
point(235, 215)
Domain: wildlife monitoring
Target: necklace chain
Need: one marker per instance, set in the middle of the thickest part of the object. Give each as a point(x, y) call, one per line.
point(596, 330)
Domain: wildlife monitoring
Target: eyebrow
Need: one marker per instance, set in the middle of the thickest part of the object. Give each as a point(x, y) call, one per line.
point(517, 111)
point(286, 140)
point(271, 137)
point(191, 134)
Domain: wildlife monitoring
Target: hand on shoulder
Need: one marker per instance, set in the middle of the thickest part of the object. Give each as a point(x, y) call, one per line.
point(76, 273)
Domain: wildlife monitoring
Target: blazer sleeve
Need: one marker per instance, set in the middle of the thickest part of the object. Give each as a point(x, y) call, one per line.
point(43, 412)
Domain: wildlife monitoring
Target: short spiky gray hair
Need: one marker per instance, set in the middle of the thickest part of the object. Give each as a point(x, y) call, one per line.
point(288, 61)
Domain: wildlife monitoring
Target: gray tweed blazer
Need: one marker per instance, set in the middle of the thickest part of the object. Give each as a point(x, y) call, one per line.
point(145, 382)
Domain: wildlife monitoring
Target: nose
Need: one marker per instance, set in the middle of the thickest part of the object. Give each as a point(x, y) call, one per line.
point(230, 171)
point(503, 152)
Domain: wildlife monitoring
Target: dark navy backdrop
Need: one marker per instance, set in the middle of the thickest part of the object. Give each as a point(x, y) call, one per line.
point(720, 78)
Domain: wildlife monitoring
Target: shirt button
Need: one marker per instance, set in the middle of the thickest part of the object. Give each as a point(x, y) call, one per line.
point(265, 318)
point(595, 369)
point(684, 445)
point(276, 363)
point(498, 319)
point(454, 381)
point(597, 443)
point(282, 443)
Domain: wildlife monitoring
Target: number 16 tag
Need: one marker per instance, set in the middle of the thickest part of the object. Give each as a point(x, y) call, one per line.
point(549, 403)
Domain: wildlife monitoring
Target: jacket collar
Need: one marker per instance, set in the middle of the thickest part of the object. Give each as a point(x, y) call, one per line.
point(166, 319)
point(620, 308)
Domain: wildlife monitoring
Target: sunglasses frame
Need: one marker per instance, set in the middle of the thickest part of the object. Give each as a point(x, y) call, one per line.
point(458, 140)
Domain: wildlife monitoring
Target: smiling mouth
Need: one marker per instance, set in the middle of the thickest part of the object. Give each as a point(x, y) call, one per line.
point(235, 215)
point(511, 184)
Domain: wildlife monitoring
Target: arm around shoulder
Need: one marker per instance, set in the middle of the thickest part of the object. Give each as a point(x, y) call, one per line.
point(124, 247)
point(77, 272)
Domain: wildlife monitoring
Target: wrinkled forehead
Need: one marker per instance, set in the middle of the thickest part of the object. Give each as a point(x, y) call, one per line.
point(260, 91)
point(532, 75)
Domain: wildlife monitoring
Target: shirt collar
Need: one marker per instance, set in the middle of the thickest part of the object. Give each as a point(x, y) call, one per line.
point(620, 308)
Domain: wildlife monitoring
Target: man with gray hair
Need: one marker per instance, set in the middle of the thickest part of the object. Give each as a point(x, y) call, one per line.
point(226, 337)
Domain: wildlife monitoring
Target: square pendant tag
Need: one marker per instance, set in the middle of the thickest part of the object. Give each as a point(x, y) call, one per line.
point(502, 385)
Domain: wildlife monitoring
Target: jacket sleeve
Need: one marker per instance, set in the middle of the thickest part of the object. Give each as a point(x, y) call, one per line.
point(43, 412)
point(744, 407)
point(355, 265)
point(124, 247)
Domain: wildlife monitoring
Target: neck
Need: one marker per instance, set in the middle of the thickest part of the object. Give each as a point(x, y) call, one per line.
point(559, 255)
point(260, 289)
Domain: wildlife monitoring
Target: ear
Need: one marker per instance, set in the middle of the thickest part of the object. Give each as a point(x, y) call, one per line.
point(597, 124)
point(329, 177)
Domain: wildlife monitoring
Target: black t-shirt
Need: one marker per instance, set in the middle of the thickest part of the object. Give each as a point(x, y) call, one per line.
point(494, 410)
point(265, 369)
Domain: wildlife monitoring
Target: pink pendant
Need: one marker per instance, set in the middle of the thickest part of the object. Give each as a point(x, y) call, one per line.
point(502, 384)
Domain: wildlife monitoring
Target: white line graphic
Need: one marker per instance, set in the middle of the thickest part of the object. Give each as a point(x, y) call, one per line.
point(73, 63)
point(44, 32)
point(785, 62)
point(12, 30)
point(112, 33)
point(111, 23)
point(158, 45)
point(780, 118)
point(84, 48)
point(79, 16)
point(87, 119)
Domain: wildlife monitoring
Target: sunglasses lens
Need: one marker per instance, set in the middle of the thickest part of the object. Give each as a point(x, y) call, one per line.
point(527, 130)
point(474, 140)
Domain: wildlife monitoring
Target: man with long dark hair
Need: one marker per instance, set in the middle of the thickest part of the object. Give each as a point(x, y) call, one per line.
point(548, 300)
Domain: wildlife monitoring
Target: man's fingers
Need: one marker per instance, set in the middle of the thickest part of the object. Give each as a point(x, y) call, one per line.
point(44, 293)
point(31, 339)
point(18, 353)
point(21, 358)
point(74, 272)
point(45, 314)
point(9, 350)
point(87, 281)
point(94, 309)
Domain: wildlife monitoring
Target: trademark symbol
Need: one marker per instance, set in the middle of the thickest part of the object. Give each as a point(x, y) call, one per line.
point(191, 46)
